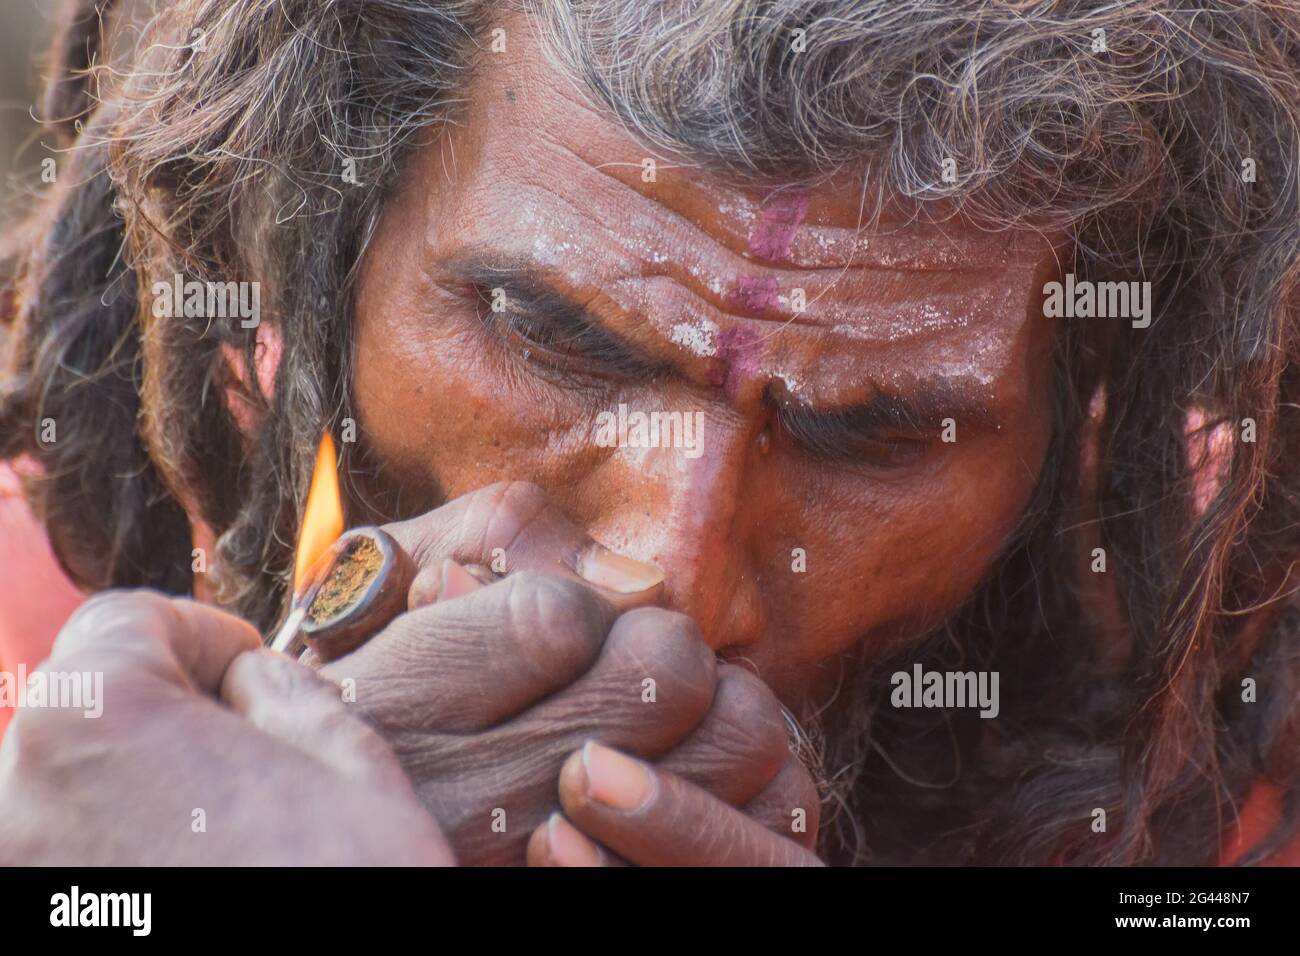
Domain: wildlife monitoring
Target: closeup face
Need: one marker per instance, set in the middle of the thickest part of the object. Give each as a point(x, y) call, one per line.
point(811, 501)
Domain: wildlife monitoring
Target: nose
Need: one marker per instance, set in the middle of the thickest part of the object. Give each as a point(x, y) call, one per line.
point(692, 516)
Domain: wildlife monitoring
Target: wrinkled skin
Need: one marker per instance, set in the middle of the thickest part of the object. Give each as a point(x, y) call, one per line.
point(691, 276)
point(449, 406)
point(792, 538)
point(490, 694)
point(208, 751)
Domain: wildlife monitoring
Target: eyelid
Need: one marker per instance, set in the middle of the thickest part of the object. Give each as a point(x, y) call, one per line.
point(857, 450)
point(567, 337)
point(843, 441)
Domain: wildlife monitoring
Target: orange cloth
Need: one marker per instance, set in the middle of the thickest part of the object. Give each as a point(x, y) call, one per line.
point(1262, 810)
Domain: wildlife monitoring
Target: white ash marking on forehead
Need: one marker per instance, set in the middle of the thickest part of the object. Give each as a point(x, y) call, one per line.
point(700, 338)
point(930, 319)
point(978, 364)
point(792, 384)
point(738, 207)
point(714, 284)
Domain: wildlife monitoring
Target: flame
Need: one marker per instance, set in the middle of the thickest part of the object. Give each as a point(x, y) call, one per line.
point(322, 520)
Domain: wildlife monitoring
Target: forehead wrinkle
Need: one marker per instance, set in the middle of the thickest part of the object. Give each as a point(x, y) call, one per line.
point(902, 248)
point(710, 274)
point(574, 121)
point(971, 352)
point(967, 363)
point(880, 315)
point(713, 259)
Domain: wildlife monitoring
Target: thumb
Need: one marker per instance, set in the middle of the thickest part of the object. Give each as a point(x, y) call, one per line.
point(293, 703)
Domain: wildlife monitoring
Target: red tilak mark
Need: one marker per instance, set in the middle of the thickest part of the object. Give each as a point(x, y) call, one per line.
point(773, 231)
point(737, 357)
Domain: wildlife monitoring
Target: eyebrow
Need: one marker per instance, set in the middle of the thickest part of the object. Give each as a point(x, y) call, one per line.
point(920, 410)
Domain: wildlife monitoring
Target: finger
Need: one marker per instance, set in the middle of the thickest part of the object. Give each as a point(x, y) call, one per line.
point(741, 744)
point(481, 573)
point(790, 805)
point(654, 818)
point(457, 581)
point(514, 526)
point(178, 640)
point(465, 665)
point(292, 703)
point(557, 842)
point(650, 688)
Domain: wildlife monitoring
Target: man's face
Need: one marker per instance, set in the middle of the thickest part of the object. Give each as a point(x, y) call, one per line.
point(819, 503)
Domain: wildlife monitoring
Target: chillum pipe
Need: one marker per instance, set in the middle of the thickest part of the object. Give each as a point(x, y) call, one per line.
point(352, 590)
point(377, 594)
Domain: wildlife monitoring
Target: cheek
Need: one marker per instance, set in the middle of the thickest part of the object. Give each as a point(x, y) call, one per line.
point(885, 561)
point(439, 412)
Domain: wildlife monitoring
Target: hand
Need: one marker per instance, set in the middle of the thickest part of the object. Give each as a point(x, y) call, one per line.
point(486, 691)
point(208, 751)
point(652, 817)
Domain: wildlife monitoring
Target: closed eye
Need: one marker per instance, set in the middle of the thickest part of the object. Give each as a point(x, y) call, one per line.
point(880, 434)
point(858, 448)
point(541, 327)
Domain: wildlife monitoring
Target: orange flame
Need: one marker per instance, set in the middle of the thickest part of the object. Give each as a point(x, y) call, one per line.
point(322, 521)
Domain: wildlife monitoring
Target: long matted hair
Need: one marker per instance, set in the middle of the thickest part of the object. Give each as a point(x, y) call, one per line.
point(213, 150)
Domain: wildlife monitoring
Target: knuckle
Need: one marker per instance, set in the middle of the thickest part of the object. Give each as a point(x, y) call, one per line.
point(558, 623)
point(283, 677)
point(115, 620)
point(522, 495)
point(271, 685)
point(667, 646)
point(35, 734)
point(792, 791)
point(491, 516)
point(325, 713)
point(509, 508)
point(746, 719)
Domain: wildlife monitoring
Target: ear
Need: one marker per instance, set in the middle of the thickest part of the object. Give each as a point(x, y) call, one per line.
point(247, 415)
point(266, 362)
point(1209, 453)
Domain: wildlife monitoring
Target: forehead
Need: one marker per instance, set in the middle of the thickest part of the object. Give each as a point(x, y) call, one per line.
point(539, 173)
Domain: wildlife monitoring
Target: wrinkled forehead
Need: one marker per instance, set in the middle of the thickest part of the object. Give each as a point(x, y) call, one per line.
point(540, 172)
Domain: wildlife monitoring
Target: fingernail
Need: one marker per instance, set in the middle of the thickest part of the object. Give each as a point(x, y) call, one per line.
point(618, 782)
point(456, 581)
point(615, 572)
point(566, 846)
point(483, 575)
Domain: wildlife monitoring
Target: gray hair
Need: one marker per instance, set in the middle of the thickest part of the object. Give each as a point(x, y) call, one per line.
point(1122, 125)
